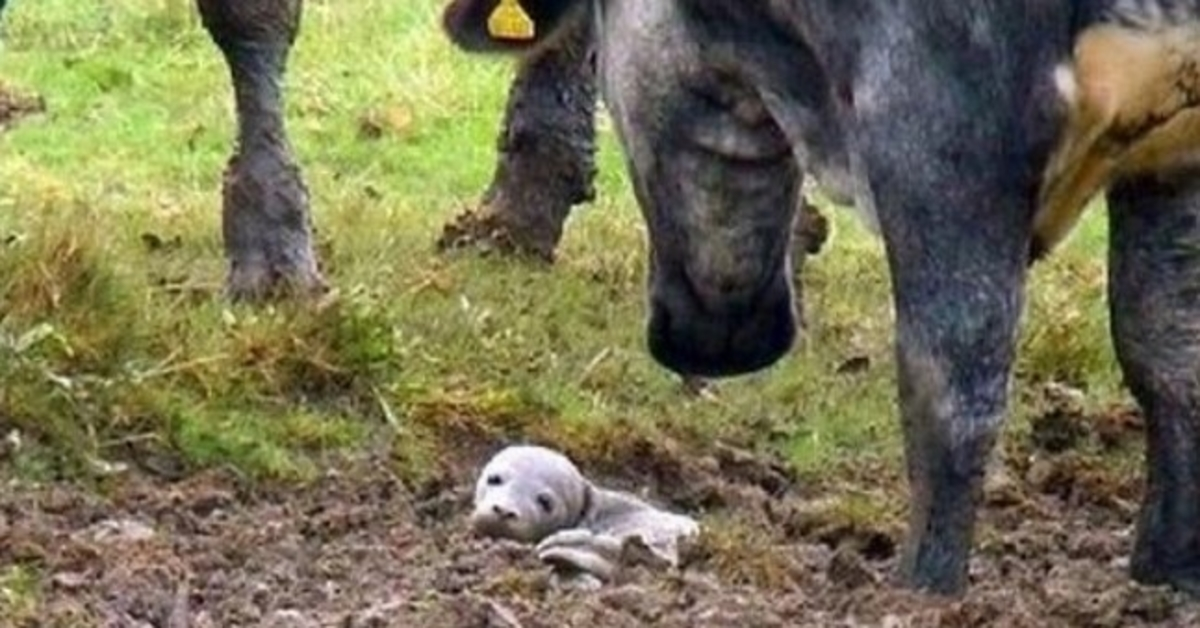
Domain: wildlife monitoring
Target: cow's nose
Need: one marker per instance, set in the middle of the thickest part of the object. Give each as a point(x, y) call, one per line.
point(713, 337)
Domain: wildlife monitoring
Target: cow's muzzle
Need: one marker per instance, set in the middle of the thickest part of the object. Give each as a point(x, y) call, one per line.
point(708, 336)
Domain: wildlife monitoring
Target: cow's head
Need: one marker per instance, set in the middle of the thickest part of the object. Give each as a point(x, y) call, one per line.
point(713, 172)
point(479, 25)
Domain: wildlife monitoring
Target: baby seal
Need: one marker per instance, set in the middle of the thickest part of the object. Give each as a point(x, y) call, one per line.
point(537, 495)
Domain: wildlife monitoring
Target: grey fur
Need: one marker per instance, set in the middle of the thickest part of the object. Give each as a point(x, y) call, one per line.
point(585, 528)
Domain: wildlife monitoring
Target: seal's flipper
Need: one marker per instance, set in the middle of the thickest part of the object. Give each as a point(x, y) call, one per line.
point(581, 550)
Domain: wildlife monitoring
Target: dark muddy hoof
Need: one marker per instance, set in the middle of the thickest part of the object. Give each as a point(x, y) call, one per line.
point(935, 564)
point(260, 283)
point(487, 232)
point(1185, 580)
point(937, 585)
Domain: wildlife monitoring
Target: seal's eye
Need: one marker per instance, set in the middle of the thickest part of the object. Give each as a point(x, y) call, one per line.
point(545, 502)
point(494, 480)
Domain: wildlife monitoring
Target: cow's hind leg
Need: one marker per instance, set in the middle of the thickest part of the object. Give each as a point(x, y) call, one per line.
point(1154, 289)
point(265, 221)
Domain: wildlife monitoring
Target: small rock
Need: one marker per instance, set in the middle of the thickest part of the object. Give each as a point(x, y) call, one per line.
point(105, 468)
point(1064, 394)
point(376, 616)
point(633, 599)
point(288, 618)
point(12, 443)
point(575, 581)
point(1000, 488)
point(120, 531)
point(70, 580)
point(500, 616)
point(1042, 475)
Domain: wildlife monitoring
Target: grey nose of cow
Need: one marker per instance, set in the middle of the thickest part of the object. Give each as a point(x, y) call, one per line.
point(694, 336)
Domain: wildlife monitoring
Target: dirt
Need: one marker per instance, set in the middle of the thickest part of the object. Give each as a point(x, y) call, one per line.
point(486, 231)
point(360, 548)
point(14, 106)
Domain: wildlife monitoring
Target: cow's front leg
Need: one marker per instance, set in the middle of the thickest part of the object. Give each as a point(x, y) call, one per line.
point(956, 229)
point(546, 161)
point(1154, 286)
point(265, 221)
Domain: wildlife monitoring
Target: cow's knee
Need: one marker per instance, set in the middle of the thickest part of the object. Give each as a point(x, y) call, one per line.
point(1154, 289)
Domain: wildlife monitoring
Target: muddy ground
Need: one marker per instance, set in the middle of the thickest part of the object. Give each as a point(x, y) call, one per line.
point(360, 548)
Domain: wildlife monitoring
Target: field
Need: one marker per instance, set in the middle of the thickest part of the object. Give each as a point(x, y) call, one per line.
point(171, 460)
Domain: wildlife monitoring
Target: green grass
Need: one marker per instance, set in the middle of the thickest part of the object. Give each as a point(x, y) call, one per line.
point(108, 347)
point(19, 594)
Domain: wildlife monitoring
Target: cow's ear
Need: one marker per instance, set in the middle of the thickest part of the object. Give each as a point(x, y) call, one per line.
point(506, 25)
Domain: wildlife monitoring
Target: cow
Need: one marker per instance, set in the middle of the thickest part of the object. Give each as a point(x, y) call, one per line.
point(972, 134)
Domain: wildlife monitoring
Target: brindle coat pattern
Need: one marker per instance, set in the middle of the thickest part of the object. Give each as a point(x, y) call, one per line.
point(941, 118)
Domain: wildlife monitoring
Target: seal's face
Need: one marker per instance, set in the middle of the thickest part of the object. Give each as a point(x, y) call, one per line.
point(525, 493)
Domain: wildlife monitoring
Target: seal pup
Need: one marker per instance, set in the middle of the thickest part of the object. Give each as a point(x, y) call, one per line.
point(534, 494)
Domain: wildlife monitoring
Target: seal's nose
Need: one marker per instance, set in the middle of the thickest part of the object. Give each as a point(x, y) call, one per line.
point(502, 513)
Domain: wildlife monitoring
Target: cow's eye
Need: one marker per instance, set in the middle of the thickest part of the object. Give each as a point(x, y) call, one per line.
point(545, 502)
point(494, 480)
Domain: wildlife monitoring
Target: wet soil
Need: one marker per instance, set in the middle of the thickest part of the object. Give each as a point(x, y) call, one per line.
point(359, 547)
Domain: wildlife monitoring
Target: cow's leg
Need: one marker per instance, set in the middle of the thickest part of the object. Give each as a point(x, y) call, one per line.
point(958, 298)
point(265, 221)
point(546, 161)
point(955, 218)
point(1154, 286)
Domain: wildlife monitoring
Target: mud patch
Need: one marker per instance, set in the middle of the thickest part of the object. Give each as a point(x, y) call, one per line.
point(486, 230)
point(14, 106)
point(359, 547)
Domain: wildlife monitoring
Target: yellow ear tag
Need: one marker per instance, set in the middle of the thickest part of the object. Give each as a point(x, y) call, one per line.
point(509, 21)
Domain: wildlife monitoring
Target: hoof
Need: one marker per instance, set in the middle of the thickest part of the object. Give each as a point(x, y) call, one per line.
point(1184, 580)
point(486, 231)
